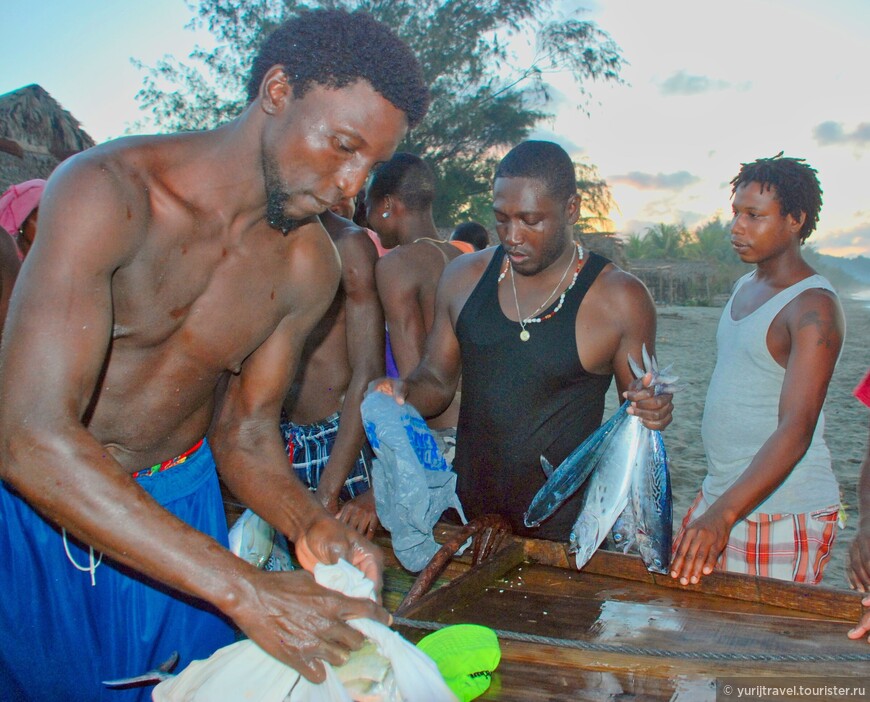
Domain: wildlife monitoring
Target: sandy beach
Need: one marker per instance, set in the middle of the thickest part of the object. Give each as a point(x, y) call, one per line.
point(687, 338)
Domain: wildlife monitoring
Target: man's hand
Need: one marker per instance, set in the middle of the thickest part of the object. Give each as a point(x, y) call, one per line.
point(699, 547)
point(655, 411)
point(301, 623)
point(863, 627)
point(360, 514)
point(328, 539)
point(389, 386)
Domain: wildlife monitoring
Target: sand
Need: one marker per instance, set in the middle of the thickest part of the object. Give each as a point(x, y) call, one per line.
point(687, 338)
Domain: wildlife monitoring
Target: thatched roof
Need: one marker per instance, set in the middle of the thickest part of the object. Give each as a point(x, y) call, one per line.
point(606, 244)
point(677, 268)
point(36, 134)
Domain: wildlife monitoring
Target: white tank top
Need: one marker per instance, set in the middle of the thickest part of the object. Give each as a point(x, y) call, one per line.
point(742, 411)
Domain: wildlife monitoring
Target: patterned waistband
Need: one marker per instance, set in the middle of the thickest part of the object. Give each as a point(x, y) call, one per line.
point(166, 465)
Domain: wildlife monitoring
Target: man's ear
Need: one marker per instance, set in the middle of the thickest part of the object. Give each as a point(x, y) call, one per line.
point(275, 90)
point(572, 208)
point(798, 222)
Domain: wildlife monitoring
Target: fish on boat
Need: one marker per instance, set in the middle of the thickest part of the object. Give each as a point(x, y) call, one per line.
point(625, 466)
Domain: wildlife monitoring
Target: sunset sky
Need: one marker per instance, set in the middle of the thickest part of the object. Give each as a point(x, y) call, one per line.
point(709, 85)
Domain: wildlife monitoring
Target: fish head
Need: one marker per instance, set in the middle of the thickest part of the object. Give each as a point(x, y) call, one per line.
point(584, 538)
point(655, 552)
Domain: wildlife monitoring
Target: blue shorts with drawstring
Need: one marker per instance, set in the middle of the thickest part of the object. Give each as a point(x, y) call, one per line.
point(62, 636)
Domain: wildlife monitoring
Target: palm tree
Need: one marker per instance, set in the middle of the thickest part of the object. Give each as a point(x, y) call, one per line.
point(667, 240)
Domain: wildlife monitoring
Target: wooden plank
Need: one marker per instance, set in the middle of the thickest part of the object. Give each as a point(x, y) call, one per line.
point(636, 636)
point(843, 604)
point(468, 585)
point(571, 583)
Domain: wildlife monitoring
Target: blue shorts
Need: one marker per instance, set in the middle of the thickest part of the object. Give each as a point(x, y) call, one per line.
point(61, 636)
point(310, 445)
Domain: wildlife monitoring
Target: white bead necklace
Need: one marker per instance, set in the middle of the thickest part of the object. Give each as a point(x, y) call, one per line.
point(533, 318)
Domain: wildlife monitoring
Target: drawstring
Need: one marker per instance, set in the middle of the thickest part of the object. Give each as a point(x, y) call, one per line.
point(91, 568)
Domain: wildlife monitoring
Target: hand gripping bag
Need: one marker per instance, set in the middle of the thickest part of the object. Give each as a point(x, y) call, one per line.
point(243, 672)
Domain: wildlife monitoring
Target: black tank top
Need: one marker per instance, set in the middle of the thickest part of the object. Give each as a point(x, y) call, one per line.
point(522, 399)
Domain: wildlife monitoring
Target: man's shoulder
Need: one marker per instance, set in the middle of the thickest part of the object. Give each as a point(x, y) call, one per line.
point(618, 293)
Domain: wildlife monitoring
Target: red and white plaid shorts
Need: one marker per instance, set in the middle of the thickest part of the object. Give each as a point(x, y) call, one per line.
point(794, 547)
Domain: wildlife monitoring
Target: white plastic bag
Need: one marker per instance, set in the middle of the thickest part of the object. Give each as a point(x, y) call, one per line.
point(243, 672)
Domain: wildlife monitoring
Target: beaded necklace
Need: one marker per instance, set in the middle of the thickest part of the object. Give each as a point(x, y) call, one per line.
point(533, 319)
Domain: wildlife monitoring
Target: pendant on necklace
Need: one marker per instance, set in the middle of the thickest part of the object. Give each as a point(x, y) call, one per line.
point(524, 335)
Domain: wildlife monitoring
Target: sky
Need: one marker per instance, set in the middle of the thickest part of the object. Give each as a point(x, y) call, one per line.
point(708, 86)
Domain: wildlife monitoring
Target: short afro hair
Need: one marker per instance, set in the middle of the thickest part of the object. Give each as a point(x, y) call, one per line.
point(544, 161)
point(796, 183)
point(335, 48)
point(472, 232)
point(408, 178)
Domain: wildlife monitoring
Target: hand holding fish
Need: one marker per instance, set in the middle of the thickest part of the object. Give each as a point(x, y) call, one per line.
point(651, 393)
point(700, 546)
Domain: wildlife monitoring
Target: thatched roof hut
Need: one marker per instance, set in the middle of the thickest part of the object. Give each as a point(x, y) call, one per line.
point(607, 245)
point(36, 134)
point(677, 282)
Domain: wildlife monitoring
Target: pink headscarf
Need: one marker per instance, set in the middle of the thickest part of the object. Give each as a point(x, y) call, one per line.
point(18, 202)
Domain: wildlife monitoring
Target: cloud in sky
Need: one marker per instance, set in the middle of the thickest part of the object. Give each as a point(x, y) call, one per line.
point(658, 181)
point(682, 83)
point(832, 133)
point(843, 242)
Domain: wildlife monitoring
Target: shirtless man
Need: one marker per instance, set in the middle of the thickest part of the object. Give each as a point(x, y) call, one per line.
point(166, 299)
point(323, 429)
point(535, 366)
point(399, 208)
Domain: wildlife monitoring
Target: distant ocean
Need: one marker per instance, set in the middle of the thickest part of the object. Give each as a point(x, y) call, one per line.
point(862, 296)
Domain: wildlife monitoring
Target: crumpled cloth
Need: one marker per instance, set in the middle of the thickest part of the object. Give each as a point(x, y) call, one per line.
point(412, 482)
point(18, 201)
point(243, 672)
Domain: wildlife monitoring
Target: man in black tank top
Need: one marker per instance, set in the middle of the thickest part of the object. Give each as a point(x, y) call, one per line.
point(537, 327)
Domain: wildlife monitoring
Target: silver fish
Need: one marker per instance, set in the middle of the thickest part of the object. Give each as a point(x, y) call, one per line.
point(629, 493)
point(572, 472)
point(623, 535)
point(608, 491)
point(251, 538)
point(652, 506)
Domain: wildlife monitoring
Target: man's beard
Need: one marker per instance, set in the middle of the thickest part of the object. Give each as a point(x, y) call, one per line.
point(276, 199)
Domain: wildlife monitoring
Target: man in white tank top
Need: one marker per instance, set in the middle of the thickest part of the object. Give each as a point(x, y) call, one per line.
point(768, 505)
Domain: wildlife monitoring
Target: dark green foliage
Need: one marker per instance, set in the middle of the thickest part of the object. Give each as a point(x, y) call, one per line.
point(485, 97)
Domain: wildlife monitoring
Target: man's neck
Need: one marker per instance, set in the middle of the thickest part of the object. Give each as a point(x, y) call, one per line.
point(417, 226)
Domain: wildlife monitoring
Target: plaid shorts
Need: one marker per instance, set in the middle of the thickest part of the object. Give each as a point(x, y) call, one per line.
point(308, 448)
point(794, 547)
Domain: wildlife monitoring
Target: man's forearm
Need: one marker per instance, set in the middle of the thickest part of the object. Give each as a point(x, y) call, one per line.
point(255, 468)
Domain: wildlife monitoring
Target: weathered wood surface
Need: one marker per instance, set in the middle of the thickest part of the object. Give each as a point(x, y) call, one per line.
point(651, 626)
point(532, 587)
